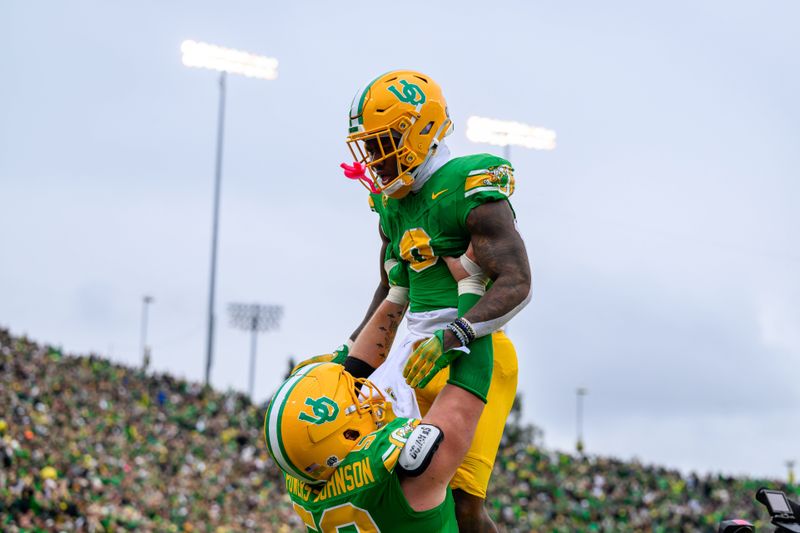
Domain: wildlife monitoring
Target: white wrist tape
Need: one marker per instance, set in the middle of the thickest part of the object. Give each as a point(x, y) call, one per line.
point(475, 283)
point(398, 295)
point(472, 285)
point(472, 268)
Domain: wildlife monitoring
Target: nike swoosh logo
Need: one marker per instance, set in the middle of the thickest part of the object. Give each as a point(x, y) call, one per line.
point(436, 194)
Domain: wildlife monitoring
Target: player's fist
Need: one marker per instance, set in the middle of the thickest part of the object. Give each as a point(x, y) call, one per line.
point(337, 356)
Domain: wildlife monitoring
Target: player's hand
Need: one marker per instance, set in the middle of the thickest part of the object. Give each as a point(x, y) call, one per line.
point(337, 356)
point(427, 359)
point(457, 270)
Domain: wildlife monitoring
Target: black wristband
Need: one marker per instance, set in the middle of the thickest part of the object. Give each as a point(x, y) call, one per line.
point(455, 330)
point(466, 328)
point(357, 367)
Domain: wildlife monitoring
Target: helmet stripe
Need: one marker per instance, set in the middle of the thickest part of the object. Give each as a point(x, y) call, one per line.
point(356, 107)
point(274, 419)
point(357, 111)
point(273, 424)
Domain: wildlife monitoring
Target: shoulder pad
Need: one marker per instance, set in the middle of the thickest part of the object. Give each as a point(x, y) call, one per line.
point(419, 449)
point(498, 179)
point(475, 162)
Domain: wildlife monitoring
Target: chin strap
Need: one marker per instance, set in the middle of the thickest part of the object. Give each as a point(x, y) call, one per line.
point(357, 171)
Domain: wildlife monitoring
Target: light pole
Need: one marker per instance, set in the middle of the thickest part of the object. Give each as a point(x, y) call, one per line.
point(506, 134)
point(580, 393)
point(223, 60)
point(790, 465)
point(254, 318)
point(146, 301)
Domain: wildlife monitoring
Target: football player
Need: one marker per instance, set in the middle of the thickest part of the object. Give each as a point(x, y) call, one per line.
point(431, 206)
point(349, 463)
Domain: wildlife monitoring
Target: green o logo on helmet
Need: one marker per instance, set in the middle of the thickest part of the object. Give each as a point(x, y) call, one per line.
point(412, 94)
point(325, 410)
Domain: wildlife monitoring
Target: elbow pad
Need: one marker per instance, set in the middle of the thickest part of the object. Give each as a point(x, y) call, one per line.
point(420, 447)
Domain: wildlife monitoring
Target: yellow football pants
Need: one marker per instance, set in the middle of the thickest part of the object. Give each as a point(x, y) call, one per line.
point(474, 473)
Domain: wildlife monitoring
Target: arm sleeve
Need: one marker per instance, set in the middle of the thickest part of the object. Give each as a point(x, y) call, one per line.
point(473, 371)
point(397, 274)
point(396, 271)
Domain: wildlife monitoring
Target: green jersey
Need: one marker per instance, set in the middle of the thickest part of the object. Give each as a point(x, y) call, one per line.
point(431, 223)
point(364, 493)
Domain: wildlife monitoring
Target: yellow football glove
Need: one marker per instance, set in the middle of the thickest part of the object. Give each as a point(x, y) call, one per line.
point(338, 356)
point(427, 360)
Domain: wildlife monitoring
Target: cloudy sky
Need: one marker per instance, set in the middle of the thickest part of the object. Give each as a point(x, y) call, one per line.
point(663, 230)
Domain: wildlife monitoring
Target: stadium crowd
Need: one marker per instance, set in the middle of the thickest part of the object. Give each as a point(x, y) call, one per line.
point(537, 490)
point(87, 445)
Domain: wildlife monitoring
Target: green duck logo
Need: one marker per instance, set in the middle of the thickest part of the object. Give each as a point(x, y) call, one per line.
point(412, 94)
point(325, 410)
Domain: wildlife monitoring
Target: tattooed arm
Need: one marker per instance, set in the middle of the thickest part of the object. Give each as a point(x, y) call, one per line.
point(499, 250)
point(373, 343)
point(373, 338)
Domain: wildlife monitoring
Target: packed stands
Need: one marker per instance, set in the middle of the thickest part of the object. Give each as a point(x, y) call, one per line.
point(88, 445)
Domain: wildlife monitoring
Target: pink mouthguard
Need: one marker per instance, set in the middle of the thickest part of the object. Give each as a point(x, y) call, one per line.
point(357, 171)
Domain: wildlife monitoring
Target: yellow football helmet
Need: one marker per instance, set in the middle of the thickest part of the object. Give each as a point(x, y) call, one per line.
point(316, 418)
point(404, 115)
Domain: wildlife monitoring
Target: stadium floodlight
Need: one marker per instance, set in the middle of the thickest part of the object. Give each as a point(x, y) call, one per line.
point(506, 134)
point(144, 348)
point(224, 60)
point(580, 392)
point(204, 55)
point(254, 318)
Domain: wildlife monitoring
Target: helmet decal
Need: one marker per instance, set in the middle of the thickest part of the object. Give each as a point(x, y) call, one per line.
point(324, 409)
point(406, 108)
point(273, 429)
point(412, 94)
point(316, 417)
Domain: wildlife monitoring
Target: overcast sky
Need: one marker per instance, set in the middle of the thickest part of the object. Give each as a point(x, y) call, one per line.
point(663, 230)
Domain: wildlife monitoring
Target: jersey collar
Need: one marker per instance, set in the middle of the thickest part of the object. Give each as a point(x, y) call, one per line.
point(433, 163)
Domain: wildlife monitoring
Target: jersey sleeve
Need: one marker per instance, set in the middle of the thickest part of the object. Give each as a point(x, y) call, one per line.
point(393, 440)
point(378, 205)
point(396, 270)
point(492, 182)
